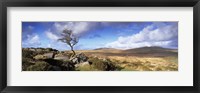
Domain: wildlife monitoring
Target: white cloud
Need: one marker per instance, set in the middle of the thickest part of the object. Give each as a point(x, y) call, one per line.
point(78, 28)
point(158, 34)
point(81, 28)
point(32, 40)
point(51, 36)
point(49, 45)
point(58, 45)
point(30, 27)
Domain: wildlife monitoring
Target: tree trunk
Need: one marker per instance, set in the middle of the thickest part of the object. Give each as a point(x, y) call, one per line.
point(73, 51)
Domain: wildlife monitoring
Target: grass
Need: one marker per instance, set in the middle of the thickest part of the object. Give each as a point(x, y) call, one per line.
point(86, 68)
point(146, 63)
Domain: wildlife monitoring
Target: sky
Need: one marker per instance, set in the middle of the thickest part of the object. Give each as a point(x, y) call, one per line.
point(93, 35)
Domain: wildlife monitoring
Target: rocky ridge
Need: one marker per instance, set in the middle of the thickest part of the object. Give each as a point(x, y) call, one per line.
point(53, 60)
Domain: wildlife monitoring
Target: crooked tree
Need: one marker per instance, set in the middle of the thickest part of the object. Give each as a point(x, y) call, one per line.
point(69, 39)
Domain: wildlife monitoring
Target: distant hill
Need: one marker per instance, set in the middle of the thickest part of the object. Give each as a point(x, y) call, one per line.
point(142, 51)
point(106, 49)
point(149, 49)
point(154, 51)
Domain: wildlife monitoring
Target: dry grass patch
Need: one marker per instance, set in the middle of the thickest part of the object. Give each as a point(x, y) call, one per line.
point(146, 63)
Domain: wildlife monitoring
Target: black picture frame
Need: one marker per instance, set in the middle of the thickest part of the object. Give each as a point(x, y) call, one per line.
point(98, 3)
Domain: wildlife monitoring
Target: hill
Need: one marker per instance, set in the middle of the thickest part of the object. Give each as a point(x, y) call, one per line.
point(141, 52)
point(152, 51)
point(106, 49)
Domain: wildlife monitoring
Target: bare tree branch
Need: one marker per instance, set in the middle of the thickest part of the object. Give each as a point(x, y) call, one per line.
point(69, 38)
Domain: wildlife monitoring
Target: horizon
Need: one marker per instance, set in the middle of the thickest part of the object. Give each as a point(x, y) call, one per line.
point(94, 35)
point(105, 48)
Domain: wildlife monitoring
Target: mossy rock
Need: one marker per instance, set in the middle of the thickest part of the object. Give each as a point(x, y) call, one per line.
point(103, 65)
point(40, 66)
point(28, 53)
point(67, 66)
point(64, 65)
point(26, 62)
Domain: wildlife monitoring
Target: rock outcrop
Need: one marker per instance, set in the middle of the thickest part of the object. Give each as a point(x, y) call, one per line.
point(53, 60)
point(44, 56)
point(83, 64)
point(79, 58)
point(62, 56)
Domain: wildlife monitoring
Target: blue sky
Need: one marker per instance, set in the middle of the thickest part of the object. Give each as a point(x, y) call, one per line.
point(92, 35)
